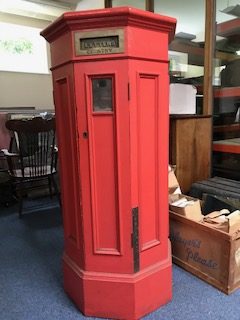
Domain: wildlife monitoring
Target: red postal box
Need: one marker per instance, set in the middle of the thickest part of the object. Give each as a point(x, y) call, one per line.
point(111, 87)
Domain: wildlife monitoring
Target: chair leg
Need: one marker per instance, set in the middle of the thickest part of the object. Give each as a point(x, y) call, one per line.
point(20, 207)
point(56, 189)
point(50, 186)
point(20, 200)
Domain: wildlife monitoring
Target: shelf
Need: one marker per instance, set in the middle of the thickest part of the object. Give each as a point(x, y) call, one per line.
point(188, 116)
point(194, 51)
point(227, 92)
point(235, 127)
point(229, 28)
point(225, 57)
point(228, 146)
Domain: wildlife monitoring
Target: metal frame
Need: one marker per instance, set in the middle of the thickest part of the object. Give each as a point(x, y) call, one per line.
point(149, 4)
point(210, 19)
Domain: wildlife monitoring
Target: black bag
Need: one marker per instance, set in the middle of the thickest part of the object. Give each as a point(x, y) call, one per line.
point(230, 76)
point(6, 190)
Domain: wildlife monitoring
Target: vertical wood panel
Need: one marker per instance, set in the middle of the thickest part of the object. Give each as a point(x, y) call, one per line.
point(148, 159)
point(190, 148)
point(149, 4)
point(108, 3)
point(68, 172)
point(210, 17)
point(104, 179)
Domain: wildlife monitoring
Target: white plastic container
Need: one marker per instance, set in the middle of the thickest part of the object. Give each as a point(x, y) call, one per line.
point(182, 98)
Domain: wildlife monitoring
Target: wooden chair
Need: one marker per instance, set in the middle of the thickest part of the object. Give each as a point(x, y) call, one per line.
point(33, 155)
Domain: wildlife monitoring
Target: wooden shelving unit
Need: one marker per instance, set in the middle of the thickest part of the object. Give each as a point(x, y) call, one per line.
point(227, 146)
point(229, 28)
point(225, 57)
point(190, 148)
point(226, 136)
point(226, 150)
point(194, 51)
point(235, 127)
point(190, 135)
point(227, 92)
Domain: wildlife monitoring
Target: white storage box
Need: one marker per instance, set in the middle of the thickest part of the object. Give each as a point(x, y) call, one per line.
point(182, 98)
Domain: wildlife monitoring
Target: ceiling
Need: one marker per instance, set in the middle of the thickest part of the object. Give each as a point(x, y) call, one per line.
point(71, 3)
point(190, 18)
point(47, 10)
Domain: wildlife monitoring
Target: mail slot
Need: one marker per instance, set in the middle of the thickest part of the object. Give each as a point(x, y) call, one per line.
point(111, 98)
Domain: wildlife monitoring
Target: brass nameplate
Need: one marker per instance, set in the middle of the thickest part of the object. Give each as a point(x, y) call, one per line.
point(99, 42)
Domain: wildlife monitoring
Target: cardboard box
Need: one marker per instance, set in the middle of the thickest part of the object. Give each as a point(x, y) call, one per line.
point(186, 206)
point(182, 204)
point(173, 185)
point(209, 253)
point(223, 220)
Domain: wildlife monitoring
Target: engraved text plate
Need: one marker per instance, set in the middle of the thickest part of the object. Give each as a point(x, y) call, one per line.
point(99, 42)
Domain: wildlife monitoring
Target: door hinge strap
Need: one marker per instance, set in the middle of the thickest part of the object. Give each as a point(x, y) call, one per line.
point(128, 91)
point(135, 239)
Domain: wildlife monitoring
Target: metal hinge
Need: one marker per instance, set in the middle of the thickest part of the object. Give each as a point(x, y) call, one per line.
point(135, 239)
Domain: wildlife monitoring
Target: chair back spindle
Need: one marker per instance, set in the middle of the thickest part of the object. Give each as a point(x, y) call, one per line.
point(35, 145)
point(33, 156)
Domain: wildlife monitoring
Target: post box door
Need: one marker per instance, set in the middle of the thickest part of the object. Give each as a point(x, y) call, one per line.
point(149, 157)
point(102, 90)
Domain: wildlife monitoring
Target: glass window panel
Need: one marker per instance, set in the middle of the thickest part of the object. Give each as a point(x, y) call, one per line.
point(226, 81)
point(186, 51)
point(22, 49)
point(140, 4)
point(102, 94)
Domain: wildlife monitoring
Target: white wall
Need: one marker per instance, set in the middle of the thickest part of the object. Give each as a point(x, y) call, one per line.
point(93, 4)
point(25, 89)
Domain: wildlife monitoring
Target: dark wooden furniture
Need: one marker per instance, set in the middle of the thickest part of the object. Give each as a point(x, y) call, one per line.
point(190, 148)
point(33, 156)
point(223, 188)
point(226, 132)
point(5, 136)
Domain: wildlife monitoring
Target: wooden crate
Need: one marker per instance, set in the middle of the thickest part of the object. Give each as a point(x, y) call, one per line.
point(210, 254)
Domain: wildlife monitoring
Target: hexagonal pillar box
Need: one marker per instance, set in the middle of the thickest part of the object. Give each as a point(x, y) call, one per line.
point(111, 84)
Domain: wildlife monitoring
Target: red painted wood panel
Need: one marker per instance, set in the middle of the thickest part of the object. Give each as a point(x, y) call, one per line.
point(148, 159)
point(104, 183)
point(149, 156)
point(114, 162)
point(105, 169)
point(68, 170)
point(67, 132)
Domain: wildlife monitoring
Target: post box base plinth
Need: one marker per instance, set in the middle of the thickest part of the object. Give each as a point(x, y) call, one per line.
point(119, 296)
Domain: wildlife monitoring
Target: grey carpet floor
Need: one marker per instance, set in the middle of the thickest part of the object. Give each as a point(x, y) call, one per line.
point(31, 276)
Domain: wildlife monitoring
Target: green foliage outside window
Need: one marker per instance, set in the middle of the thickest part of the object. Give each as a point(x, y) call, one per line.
point(19, 46)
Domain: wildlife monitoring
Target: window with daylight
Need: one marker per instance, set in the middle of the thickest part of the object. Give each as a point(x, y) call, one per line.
point(22, 49)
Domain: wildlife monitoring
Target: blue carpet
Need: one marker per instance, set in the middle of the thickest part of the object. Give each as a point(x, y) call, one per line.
point(31, 276)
